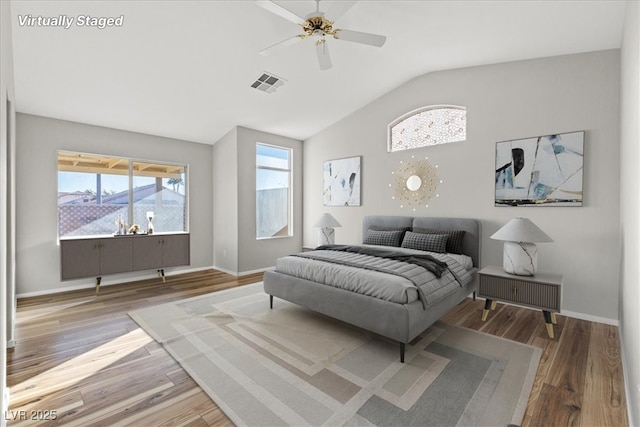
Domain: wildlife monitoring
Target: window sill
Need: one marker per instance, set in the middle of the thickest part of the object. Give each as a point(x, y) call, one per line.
point(274, 238)
point(106, 236)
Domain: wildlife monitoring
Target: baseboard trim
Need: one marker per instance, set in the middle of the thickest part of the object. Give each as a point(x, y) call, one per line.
point(106, 281)
point(590, 317)
point(242, 273)
point(575, 315)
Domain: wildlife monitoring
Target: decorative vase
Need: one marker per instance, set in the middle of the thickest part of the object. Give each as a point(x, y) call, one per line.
point(520, 258)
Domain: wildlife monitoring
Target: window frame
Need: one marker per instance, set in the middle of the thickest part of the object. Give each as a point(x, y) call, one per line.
point(289, 170)
point(131, 174)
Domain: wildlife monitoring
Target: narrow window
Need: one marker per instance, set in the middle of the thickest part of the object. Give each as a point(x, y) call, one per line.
point(273, 191)
point(427, 126)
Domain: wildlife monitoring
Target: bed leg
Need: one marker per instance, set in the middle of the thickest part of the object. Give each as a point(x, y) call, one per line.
point(401, 352)
point(271, 301)
point(474, 295)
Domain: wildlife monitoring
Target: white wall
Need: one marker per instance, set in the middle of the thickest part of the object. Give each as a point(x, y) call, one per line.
point(504, 101)
point(225, 203)
point(237, 223)
point(39, 139)
point(630, 208)
point(7, 201)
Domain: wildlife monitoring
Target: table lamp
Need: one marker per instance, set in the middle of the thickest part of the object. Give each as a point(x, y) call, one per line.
point(520, 254)
point(326, 234)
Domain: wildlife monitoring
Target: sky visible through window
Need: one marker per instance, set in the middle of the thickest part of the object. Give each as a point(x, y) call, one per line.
point(271, 157)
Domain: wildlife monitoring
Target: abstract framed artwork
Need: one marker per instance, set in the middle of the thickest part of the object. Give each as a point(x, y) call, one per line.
point(341, 182)
point(540, 171)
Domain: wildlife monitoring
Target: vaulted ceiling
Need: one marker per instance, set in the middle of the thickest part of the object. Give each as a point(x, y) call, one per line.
point(184, 69)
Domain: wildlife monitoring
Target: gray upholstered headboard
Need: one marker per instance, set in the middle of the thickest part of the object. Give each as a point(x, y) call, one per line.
point(470, 241)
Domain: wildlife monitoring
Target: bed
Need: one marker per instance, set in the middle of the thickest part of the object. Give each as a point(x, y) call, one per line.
point(399, 306)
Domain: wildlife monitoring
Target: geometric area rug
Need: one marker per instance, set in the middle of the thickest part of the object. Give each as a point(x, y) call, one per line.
point(292, 366)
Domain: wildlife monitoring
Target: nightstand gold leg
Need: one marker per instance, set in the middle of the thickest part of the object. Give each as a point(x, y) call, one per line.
point(487, 306)
point(493, 305)
point(548, 319)
point(554, 319)
point(550, 329)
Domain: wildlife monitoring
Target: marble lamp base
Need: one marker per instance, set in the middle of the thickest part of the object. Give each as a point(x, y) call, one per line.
point(326, 236)
point(520, 258)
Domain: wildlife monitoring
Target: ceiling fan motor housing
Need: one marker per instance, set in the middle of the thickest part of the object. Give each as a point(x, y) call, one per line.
point(318, 25)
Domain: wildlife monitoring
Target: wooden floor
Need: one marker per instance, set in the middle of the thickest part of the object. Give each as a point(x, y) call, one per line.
point(81, 359)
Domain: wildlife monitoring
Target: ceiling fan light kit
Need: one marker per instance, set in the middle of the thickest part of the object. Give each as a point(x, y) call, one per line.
point(315, 25)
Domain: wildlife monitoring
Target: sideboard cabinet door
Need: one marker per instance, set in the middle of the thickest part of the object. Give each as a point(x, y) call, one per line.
point(175, 250)
point(147, 252)
point(79, 258)
point(116, 255)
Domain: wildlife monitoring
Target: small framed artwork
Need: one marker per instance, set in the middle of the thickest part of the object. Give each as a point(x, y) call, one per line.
point(341, 182)
point(540, 171)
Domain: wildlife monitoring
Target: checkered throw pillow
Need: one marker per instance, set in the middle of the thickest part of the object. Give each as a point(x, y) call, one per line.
point(383, 237)
point(425, 242)
point(454, 240)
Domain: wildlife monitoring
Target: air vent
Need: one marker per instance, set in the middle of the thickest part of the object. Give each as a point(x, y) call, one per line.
point(267, 82)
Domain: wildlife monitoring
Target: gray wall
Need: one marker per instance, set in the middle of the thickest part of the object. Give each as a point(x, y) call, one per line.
point(7, 198)
point(239, 252)
point(630, 208)
point(37, 251)
point(504, 101)
point(225, 203)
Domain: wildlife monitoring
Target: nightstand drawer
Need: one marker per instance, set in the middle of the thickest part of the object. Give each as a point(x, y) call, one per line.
point(531, 293)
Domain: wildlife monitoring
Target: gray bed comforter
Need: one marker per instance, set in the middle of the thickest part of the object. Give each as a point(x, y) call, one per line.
point(389, 279)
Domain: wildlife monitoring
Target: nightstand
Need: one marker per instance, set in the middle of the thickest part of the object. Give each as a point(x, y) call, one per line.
point(541, 291)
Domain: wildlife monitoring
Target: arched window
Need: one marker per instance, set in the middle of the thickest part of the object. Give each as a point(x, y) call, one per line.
point(435, 124)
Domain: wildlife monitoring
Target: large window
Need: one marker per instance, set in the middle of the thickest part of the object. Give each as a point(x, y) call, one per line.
point(97, 192)
point(273, 191)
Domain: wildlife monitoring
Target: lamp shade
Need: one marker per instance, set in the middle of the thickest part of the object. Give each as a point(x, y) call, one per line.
point(521, 230)
point(327, 220)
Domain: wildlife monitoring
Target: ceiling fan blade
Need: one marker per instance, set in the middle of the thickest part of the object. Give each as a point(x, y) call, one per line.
point(360, 37)
point(280, 11)
point(339, 8)
point(322, 50)
point(279, 45)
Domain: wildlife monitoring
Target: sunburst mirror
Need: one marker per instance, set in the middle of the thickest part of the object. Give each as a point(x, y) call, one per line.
point(415, 183)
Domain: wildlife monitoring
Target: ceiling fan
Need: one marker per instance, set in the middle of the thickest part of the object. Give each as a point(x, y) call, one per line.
point(317, 27)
